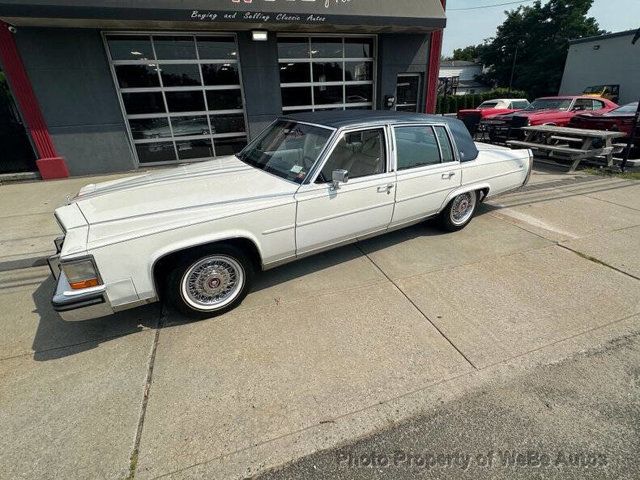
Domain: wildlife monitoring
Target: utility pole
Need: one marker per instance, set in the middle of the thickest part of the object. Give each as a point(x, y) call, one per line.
point(513, 67)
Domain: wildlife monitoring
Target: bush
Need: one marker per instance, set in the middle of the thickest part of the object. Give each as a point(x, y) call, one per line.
point(453, 103)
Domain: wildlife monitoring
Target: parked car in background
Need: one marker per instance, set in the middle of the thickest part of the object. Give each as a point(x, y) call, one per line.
point(471, 117)
point(610, 92)
point(194, 235)
point(543, 111)
point(619, 119)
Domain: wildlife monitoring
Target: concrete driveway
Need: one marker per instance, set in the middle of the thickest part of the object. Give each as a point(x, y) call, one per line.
point(322, 351)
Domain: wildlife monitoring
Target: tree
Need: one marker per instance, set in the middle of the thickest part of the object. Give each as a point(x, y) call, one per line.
point(470, 54)
point(540, 34)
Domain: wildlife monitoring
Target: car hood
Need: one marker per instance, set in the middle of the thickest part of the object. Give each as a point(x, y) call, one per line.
point(224, 183)
point(530, 114)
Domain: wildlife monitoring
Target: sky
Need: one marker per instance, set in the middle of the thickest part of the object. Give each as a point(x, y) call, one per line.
point(470, 27)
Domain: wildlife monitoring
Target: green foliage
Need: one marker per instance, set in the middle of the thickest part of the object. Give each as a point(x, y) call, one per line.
point(541, 34)
point(453, 103)
point(469, 54)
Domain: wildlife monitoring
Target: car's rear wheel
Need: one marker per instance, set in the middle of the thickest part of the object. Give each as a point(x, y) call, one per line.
point(209, 281)
point(459, 212)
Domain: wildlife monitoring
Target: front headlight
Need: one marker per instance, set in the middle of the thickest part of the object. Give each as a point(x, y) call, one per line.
point(81, 273)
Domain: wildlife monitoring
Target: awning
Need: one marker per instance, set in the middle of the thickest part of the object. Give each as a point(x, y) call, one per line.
point(276, 15)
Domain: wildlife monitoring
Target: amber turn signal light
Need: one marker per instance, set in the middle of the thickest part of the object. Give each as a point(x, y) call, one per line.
point(81, 273)
point(92, 282)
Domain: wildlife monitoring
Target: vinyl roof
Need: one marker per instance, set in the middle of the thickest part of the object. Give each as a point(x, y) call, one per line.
point(348, 118)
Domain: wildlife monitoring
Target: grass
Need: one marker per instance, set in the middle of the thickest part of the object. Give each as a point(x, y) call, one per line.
point(629, 175)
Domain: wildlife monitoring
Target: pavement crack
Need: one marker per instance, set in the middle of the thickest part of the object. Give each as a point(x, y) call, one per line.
point(598, 261)
point(133, 459)
point(358, 246)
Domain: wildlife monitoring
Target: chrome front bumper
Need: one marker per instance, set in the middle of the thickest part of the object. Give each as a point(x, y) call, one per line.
point(76, 305)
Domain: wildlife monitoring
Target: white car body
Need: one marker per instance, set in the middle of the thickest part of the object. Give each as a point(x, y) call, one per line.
point(505, 104)
point(128, 225)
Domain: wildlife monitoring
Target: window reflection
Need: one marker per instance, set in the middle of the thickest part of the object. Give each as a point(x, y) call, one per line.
point(190, 126)
point(180, 75)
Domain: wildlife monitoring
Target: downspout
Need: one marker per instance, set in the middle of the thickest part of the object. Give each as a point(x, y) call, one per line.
point(49, 163)
point(433, 72)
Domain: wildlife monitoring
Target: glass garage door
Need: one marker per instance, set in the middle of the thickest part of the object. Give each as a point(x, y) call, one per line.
point(326, 72)
point(181, 95)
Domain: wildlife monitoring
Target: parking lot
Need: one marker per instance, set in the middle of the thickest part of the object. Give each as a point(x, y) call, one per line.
point(323, 351)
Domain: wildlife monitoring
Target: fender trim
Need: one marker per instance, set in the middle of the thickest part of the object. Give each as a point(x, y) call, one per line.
point(465, 189)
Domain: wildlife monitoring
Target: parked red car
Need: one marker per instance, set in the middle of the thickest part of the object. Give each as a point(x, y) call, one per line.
point(471, 117)
point(620, 119)
point(543, 111)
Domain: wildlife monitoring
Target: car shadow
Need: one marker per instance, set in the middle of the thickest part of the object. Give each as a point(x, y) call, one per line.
point(56, 338)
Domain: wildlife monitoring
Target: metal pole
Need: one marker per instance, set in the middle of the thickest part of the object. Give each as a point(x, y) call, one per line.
point(513, 67)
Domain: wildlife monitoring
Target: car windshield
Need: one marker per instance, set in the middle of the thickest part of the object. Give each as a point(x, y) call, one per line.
point(628, 108)
point(550, 104)
point(487, 105)
point(594, 89)
point(287, 149)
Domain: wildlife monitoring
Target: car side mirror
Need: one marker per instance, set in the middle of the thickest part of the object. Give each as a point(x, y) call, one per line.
point(338, 177)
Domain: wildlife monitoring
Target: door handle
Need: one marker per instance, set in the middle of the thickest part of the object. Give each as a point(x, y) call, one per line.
point(385, 189)
point(447, 176)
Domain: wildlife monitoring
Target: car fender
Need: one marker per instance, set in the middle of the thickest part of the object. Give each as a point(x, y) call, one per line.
point(202, 240)
point(467, 188)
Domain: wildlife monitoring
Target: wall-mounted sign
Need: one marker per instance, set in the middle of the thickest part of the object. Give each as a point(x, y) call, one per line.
point(381, 13)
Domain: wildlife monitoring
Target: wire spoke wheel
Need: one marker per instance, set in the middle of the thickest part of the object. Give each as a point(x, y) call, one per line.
point(212, 282)
point(462, 208)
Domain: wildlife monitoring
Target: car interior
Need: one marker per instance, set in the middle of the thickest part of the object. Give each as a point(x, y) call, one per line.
point(359, 153)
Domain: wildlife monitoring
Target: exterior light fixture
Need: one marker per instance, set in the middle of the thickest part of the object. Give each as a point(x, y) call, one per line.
point(259, 35)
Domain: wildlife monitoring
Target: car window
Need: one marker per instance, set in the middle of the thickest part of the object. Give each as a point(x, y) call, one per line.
point(520, 105)
point(445, 145)
point(416, 147)
point(360, 153)
point(583, 104)
point(488, 104)
point(597, 104)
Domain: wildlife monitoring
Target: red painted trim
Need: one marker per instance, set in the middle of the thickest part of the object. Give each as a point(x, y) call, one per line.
point(435, 50)
point(29, 107)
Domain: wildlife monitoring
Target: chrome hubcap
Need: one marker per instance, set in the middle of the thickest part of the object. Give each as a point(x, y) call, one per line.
point(212, 282)
point(462, 208)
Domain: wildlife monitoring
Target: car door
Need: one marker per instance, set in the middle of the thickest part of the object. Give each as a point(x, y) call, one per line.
point(329, 216)
point(427, 171)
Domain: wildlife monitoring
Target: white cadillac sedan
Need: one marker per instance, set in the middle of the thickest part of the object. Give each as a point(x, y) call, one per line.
point(195, 235)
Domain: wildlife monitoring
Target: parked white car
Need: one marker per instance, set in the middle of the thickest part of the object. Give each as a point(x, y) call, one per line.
point(194, 235)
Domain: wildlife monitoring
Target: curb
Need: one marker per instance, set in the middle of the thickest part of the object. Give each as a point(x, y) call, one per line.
point(22, 263)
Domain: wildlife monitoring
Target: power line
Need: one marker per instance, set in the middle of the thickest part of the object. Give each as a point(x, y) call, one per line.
point(488, 6)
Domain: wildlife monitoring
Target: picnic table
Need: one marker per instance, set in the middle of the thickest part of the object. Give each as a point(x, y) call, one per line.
point(575, 144)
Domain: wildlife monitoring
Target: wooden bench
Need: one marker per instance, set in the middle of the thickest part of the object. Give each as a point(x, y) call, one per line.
point(547, 138)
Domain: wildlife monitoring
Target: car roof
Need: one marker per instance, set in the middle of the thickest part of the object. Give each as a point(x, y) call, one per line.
point(563, 97)
point(348, 118)
point(351, 118)
point(506, 100)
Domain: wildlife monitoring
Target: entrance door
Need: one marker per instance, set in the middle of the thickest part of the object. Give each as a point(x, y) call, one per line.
point(408, 92)
point(328, 216)
point(17, 154)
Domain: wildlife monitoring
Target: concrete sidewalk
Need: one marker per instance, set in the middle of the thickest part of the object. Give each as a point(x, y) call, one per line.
point(323, 351)
point(26, 216)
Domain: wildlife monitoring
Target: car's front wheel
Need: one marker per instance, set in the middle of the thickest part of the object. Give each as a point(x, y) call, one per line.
point(211, 281)
point(459, 212)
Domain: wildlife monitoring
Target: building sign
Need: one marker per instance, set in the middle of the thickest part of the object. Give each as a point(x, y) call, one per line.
point(419, 13)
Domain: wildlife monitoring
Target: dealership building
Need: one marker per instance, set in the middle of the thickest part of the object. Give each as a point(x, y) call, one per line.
point(94, 86)
point(611, 59)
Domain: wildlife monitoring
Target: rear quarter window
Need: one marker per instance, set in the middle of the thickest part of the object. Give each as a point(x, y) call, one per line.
point(445, 144)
